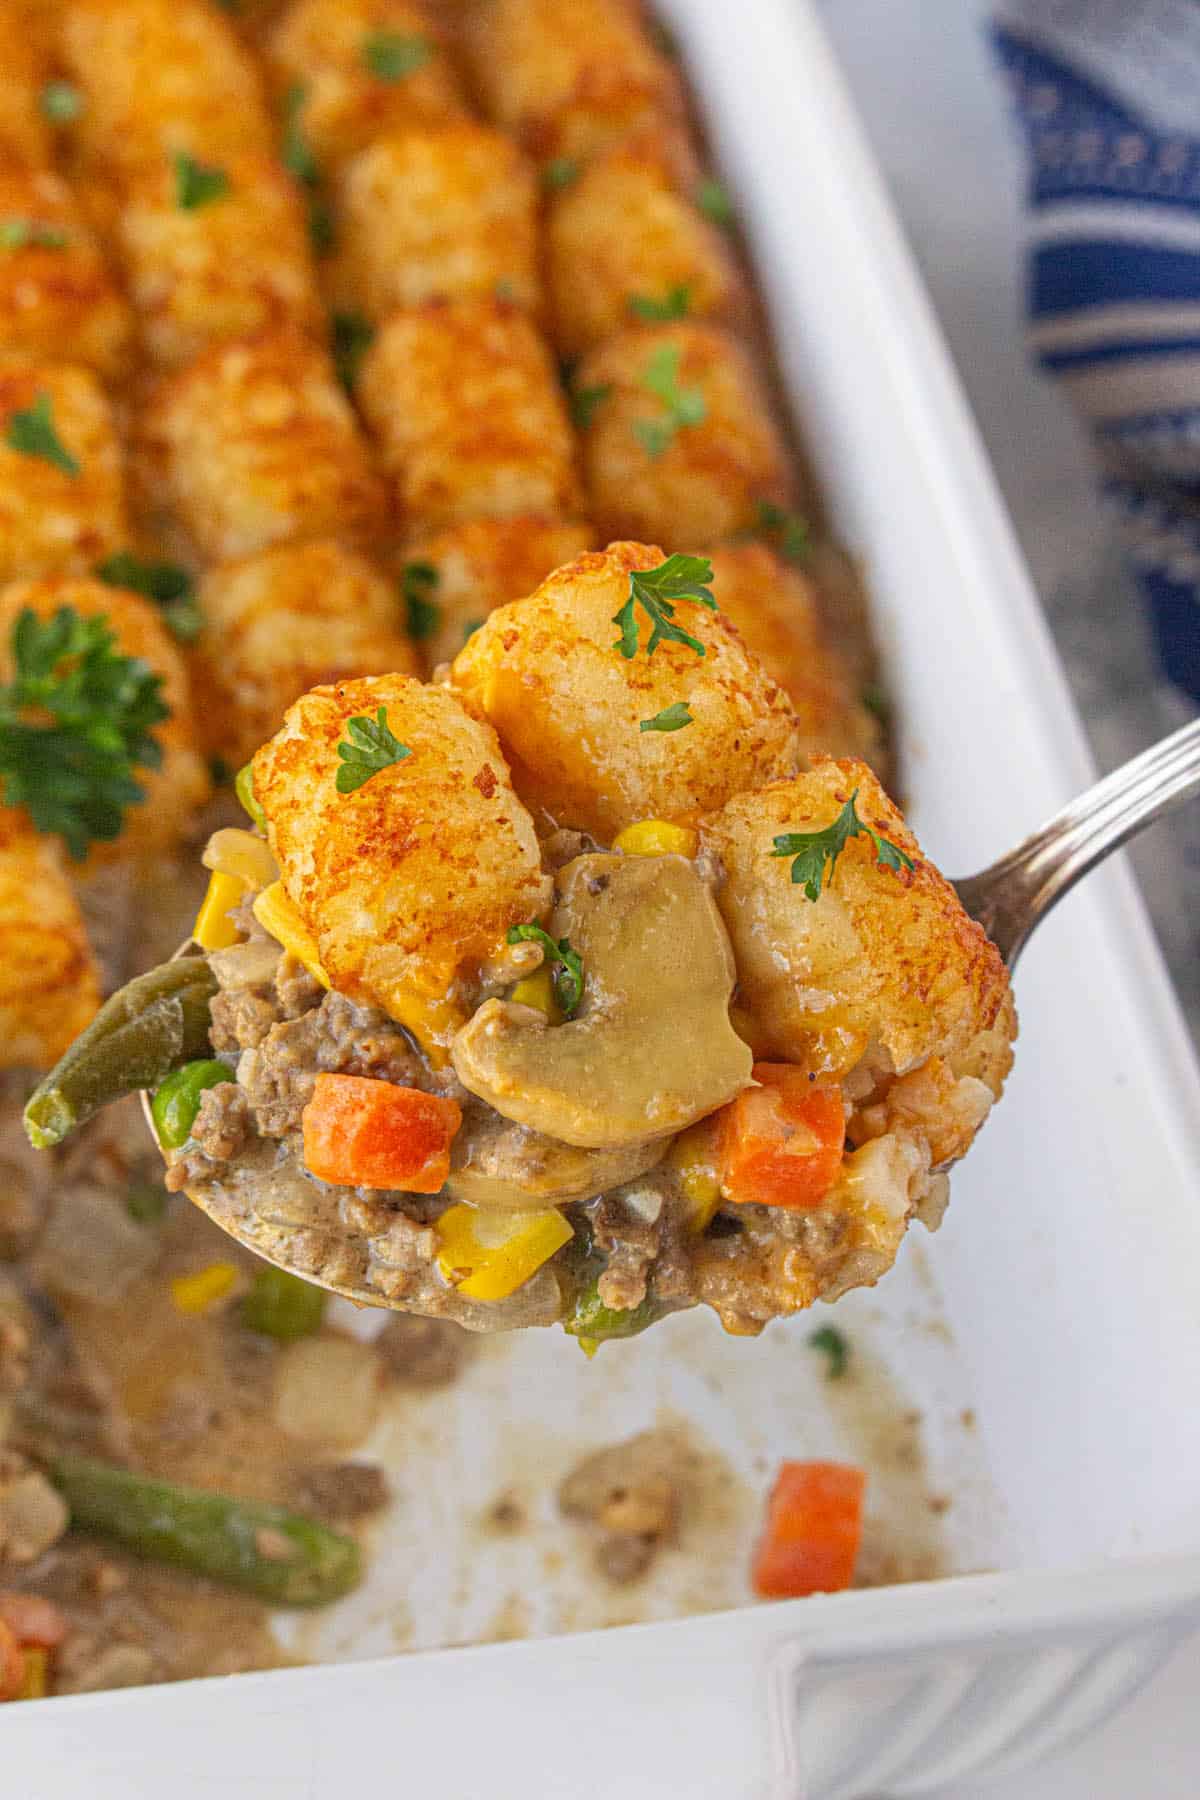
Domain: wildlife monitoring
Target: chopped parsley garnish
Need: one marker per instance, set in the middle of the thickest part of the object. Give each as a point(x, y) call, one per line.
point(391, 55)
point(296, 150)
point(566, 965)
point(320, 227)
point(352, 338)
point(875, 699)
point(419, 583)
point(786, 531)
point(75, 720)
point(168, 585)
point(372, 747)
point(31, 432)
point(586, 402)
point(197, 184)
point(713, 201)
point(60, 102)
point(673, 305)
point(560, 172)
point(671, 718)
point(21, 234)
point(504, 290)
point(684, 406)
point(830, 1343)
point(655, 591)
point(816, 852)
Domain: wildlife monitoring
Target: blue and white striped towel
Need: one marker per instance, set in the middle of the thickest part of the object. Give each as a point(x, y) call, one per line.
point(1108, 92)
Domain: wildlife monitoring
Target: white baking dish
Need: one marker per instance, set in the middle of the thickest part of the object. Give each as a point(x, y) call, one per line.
point(1059, 1303)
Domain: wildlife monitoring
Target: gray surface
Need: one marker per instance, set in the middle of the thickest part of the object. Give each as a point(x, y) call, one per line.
point(923, 77)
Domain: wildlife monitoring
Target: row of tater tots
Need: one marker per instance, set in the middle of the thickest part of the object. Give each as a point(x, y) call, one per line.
point(299, 316)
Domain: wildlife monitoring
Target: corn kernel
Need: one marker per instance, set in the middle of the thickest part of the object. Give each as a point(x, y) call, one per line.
point(214, 929)
point(240, 853)
point(433, 1022)
point(276, 914)
point(199, 1292)
point(657, 837)
point(537, 990)
point(489, 1256)
point(693, 1156)
point(34, 1682)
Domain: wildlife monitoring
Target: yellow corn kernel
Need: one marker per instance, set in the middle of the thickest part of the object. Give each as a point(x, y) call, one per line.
point(34, 1683)
point(234, 852)
point(433, 1022)
point(197, 1293)
point(693, 1156)
point(276, 914)
point(489, 1256)
point(214, 929)
point(657, 837)
point(537, 990)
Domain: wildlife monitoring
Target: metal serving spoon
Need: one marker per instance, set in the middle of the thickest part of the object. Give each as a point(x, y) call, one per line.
point(1014, 895)
point(1008, 899)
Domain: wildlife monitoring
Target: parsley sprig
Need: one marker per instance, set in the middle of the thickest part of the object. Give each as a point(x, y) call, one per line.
point(391, 55)
point(816, 852)
point(60, 102)
point(559, 173)
point(418, 585)
point(671, 718)
point(713, 201)
point(831, 1344)
point(672, 305)
point(372, 747)
point(586, 403)
point(685, 406)
point(656, 591)
point(170, 587)
point(22, 234)
point(296, 150)
point(75, 721)
point(566, 965)
point(786, 531)
point(31, 432)
point(197, 184)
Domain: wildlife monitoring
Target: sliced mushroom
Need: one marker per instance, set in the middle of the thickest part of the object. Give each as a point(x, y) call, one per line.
point(651, 1048)
point(498, 1164)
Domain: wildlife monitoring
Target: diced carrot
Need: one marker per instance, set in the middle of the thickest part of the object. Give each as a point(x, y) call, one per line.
point(12, 1664)
point(813, 1530)
point(782, 1142)
point(33, 1620)
point(364, 1133)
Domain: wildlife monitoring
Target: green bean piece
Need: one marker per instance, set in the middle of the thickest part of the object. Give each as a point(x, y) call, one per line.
point(278, 1555)
point(177, 1101)
point(146, 1029)
point(590, 1318)
point(282, 1306)
point(243, 787)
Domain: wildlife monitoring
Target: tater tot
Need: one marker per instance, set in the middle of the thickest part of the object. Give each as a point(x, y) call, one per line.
point(255, 444)
point(160, 77)
point(57, 298)
point(49, 982)
point(680, 447)
point(237, 265)
point(775, 608)
point(62, 499)
point(464, 405)
point(567, 76)
point(281, 622)
point(24, 133)
point(625, 231)
point(181, 783)
point(449, 212)
point(460, 575)
point(352, 71)
point(420, 870)
point(885, 961)
point(568, 705)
